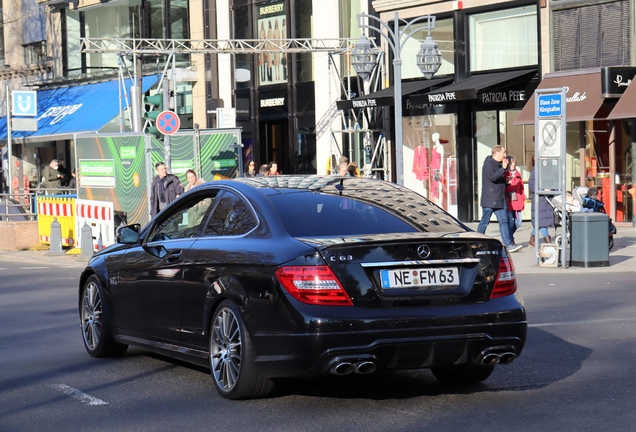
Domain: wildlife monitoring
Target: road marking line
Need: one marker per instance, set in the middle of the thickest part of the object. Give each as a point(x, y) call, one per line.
point(593, 321)
point(31, 268)
point(82, 397)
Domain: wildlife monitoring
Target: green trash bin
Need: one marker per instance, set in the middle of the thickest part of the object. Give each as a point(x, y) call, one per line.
point(590, 240)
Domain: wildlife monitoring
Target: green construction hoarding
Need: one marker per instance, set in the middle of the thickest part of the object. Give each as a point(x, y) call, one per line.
point(119, 168)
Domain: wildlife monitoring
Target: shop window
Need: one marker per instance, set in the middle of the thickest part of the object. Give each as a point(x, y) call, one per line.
point(504, 39)
point(497, 128)
point(349, 9)
point(303, 25)
point(305, 151)
point(443, 35)
point(242, 62)
point(107, 21)
point(35, 52)
point(72, 39)
point(592, 36)
point(430, 158)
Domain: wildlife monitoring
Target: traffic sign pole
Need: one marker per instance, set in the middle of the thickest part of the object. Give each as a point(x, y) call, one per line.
point(550, 133)
point(9, 145)
point(166, 138)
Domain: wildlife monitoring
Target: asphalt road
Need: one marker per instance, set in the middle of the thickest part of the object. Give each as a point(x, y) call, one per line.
point(576, 374)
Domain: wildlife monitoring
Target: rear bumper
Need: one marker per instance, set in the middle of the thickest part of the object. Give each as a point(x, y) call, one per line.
point(391, 344)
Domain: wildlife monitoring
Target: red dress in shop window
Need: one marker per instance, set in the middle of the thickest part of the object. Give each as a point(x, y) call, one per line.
point(420, 163)
point(436, 164)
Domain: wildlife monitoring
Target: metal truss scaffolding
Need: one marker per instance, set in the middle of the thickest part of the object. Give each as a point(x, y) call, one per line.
point(359, 124)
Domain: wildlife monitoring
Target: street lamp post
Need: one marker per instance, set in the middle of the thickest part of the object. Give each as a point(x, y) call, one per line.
point(364, 57)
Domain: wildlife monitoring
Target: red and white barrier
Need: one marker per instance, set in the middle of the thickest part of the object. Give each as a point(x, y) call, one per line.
point(100, 216)
point(55, 209)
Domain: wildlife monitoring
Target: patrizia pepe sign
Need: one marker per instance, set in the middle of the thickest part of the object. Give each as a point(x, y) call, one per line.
point(503, 96)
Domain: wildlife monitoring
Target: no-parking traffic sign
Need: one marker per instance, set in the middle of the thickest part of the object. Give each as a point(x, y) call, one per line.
point(168, 122)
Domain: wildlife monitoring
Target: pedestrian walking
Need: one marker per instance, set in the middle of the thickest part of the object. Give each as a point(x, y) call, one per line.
point(343, 169)
point(515, 197)
point(263, 171)
point(26, 189)
point(493, 191)
point(165, 189)
point(52, 178)
point(273, 169)
point(250, 169)
point(66, 176)
point(72, 183)
point(192, 180)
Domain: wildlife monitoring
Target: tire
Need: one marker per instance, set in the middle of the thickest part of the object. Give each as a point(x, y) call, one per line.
point(95, 322)
point(465, 374)
point(232, 357)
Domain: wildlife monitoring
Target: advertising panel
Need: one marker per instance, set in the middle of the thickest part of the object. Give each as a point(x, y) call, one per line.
point(272, 26)
point(113, 169)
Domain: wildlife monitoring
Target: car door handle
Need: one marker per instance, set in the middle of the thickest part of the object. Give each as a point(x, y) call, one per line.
point(173, 257)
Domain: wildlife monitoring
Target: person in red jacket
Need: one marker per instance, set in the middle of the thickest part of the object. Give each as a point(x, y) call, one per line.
point(515, 196)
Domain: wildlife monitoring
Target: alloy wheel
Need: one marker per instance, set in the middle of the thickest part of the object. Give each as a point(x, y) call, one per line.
point(92, 325)
point(226, 349)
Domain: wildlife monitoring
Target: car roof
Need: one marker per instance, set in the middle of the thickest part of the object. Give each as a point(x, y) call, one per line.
point(390, 196)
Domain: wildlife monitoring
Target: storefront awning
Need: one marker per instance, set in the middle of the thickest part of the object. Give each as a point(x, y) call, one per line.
point(626, 106)
point(469, 88)
point(65, 111)
point(583, 95)
point(384, 97)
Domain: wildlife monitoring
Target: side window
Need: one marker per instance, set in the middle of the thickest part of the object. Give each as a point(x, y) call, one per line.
point(231, 217)
point(185, 220)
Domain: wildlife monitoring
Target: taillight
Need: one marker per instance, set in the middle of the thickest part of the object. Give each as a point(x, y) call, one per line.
point(313, 285)
point(506, 283)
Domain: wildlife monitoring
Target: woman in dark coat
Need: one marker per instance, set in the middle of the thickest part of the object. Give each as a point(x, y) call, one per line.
point(546, 213)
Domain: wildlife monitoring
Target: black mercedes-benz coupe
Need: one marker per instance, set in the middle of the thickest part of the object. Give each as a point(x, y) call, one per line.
point(292, 276)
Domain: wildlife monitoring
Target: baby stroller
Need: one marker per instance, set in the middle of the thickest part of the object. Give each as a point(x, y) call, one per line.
point(581, 199)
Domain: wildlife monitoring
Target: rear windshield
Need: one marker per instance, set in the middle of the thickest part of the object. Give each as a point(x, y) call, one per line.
point(312, 214)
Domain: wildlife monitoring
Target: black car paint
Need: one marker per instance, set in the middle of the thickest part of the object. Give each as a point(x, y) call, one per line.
point(398, 330)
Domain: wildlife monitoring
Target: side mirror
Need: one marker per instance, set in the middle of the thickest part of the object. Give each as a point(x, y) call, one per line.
point(128, 234)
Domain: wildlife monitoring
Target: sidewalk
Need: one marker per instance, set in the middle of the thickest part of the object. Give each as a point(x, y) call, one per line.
point(622, 256)
point(42, 258)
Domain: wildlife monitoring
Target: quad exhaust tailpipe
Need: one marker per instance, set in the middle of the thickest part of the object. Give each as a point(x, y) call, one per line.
point(493, 358)
point(345, 368)
point(365, 367)
point(342, 368)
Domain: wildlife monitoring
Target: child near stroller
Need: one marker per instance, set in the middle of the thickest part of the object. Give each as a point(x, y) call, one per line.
point(592, 204)
point(582, 200)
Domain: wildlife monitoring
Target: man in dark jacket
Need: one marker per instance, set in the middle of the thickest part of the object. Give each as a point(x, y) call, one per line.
point(493, 195)
point(52, 177)
point(165, 189)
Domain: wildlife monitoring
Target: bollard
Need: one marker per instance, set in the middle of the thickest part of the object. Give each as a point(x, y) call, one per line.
point(86, 241)
point(55, 243)
point(100, 243)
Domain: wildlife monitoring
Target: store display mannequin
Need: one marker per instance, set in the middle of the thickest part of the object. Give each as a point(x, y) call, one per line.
point(437, 161)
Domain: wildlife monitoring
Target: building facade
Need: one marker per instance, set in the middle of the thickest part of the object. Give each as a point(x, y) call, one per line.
point(303, 110)
point(588, 48)
point(88, 92)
